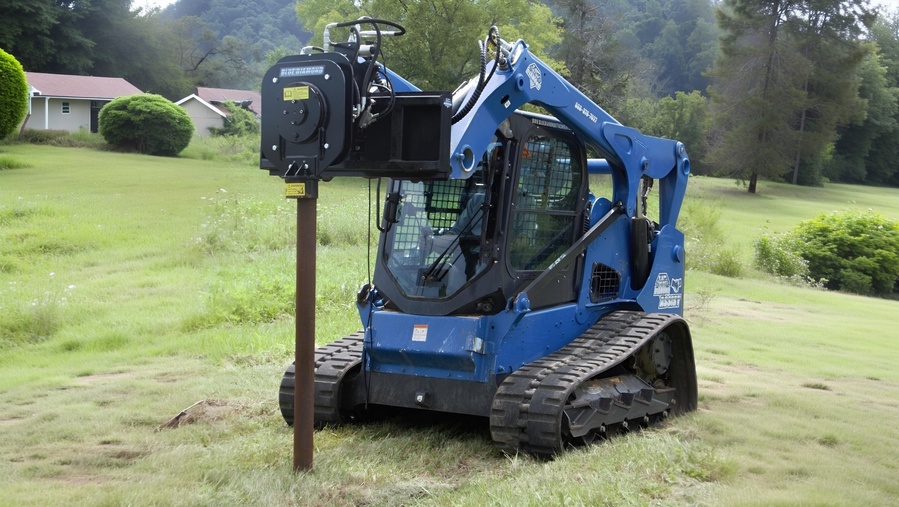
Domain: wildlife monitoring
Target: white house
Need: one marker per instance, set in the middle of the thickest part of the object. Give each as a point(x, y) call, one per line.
point(203, 106)
point(67, 102)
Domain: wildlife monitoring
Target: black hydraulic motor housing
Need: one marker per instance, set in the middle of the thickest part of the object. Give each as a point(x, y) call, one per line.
point(316, 125)
point(305, 101)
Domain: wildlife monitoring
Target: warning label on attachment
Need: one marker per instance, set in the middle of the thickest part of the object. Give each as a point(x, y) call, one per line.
point(296, 93)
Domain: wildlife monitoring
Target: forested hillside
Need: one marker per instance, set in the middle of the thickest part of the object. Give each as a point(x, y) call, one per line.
point(802, 91)
point(266, 24)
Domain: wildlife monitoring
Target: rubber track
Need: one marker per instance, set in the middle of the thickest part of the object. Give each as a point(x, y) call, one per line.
point(527, 409)
point(332, 363)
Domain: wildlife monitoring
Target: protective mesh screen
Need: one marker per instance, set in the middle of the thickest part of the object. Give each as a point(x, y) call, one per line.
point(545, 203)
point(435, 205)
point(605, 283)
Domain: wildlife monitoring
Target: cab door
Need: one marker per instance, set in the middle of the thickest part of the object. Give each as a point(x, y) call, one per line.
point(547, 212)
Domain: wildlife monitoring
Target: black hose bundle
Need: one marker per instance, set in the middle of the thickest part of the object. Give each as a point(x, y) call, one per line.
point(492, 37)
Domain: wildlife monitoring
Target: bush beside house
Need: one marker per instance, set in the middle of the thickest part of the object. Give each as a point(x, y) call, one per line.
point(239, 122)
point(212, 109)
point(146, 123)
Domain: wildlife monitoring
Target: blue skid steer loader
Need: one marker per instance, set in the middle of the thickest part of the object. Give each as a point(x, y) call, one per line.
point(503, 288)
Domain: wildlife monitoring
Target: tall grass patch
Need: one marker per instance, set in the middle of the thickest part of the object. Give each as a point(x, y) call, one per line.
point(253, 240)
point(28, 316)
point(81, 138)
point(239, 223)
point(708, 247)
point(243, 150)
point(8, 162)
point(253, 293)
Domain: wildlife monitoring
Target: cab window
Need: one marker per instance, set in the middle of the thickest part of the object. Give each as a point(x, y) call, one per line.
point(546, 201)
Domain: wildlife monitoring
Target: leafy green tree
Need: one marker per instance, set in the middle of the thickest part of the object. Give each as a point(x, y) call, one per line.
point(439, 50)
point(880, 162)
point(594, 61)
point(25, 30)
point(239, 122)
point(684, 47)
point(829, 35)
point(263, 24)
point(13, 94)
point(684, 117)
point(149, 60)
point(670, 44)
point(97, 37)
point(62, 36)
point(137, 47)
point(210, 60)
point(859, 140)
point(52, 42)
point(756, 89)
point(146, 123)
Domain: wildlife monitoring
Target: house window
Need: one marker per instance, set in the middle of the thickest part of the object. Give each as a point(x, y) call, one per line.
point(65, 108)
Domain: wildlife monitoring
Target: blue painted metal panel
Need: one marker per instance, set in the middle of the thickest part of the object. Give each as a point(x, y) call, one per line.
point(469, 348)
point(443, 347)
point(400, 84)
point(664, 290)
point(537, 334)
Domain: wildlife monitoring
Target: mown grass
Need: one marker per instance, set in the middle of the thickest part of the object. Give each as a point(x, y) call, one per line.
point(132, 287)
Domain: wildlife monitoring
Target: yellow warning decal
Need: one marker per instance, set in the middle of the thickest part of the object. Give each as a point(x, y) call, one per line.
point(296, 190)
point(296, 93)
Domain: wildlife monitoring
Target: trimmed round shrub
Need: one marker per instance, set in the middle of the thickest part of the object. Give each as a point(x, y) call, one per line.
point(13, 94)
point(146, 123)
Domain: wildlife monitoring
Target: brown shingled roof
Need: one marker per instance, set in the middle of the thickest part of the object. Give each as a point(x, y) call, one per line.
point(83, 87)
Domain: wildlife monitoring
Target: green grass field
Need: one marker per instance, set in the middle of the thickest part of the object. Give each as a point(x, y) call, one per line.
point(133, 287)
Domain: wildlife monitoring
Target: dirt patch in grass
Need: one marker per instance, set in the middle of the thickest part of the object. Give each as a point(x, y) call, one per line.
point(756, 310)
point(81, 480)
point(105, 377)
point(170, 377)
point(205, 411)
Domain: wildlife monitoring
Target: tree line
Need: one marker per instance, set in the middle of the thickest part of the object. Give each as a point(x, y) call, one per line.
point(216, 43)
point(797, 90)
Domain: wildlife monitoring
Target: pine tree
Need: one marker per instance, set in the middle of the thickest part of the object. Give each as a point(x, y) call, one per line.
point(785, 80)
point(756, 90)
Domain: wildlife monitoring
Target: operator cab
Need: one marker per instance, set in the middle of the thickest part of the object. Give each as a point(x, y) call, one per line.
point(465, 246)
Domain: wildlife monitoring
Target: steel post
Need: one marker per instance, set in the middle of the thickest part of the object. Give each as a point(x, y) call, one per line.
point(304, 380)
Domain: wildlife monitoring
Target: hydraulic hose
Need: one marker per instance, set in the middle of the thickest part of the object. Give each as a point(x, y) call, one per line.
point(478, 89)
point(492, 36)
